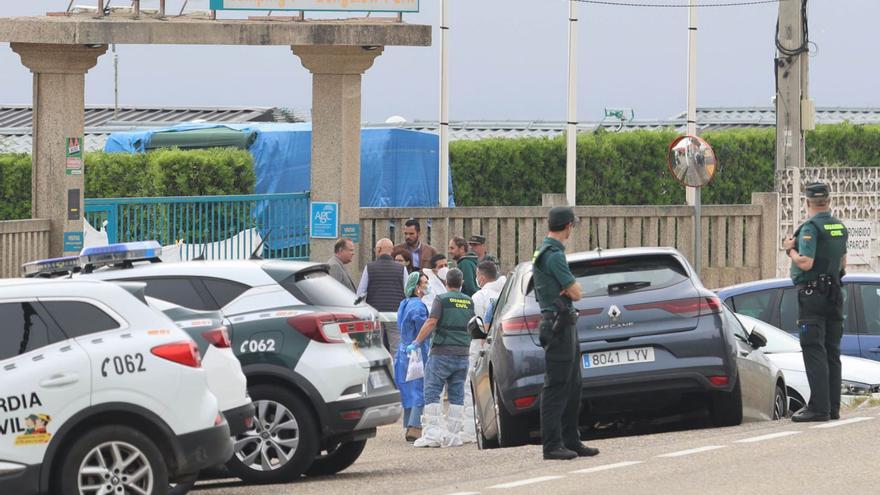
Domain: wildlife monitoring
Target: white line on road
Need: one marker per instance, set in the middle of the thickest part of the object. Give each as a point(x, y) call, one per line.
point(768, 437)
point(835, 424)
point(465, 493)
point(693, 451)
point(514, 484)
point(606, 467)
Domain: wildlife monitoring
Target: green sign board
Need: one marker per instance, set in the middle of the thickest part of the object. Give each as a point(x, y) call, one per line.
point(319, 5)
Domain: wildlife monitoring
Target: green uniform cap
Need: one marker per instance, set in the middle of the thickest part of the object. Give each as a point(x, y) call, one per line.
point(560, 216)
point(817, 190)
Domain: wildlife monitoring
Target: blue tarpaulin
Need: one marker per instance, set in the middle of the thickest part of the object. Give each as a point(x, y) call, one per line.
point(399, 168)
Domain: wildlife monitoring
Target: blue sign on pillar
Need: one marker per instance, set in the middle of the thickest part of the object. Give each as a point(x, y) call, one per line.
point(352, 231)
point(324, 220)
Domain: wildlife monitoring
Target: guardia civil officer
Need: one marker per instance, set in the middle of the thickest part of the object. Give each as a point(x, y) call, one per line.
point(556, 288)
point(818, 261)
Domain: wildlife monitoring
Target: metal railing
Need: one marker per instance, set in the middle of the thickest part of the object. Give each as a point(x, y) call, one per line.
point(215, 227)
point(103, 8)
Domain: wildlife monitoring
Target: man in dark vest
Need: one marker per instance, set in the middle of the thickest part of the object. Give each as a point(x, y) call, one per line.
point(555, 288)
point(466, 261)
point(447, 364)
point(818, 261)
point(382, 282)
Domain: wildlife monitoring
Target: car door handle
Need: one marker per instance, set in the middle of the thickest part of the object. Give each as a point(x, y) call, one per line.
point(876, 349)
point(743, 353)
point(60, 380)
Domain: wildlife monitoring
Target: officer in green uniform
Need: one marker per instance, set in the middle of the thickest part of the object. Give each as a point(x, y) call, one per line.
point(818, 261)
point(448, 363)
point(556, 288)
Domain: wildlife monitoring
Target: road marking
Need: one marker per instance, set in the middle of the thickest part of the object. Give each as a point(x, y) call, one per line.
point(514, 484)
point(465, 493)
point(768, 437)
point(693, 451)
point(835, 424)
point(606, 467)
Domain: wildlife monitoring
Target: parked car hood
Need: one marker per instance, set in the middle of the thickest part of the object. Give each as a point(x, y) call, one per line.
point(853, 369)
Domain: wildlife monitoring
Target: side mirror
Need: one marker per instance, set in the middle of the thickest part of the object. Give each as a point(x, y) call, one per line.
point(476, 328)
point(757, 339)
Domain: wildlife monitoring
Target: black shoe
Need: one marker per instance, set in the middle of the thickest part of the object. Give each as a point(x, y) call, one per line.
point(835, 415)
point(583, 451)
point(808, 416)
point(560, 454)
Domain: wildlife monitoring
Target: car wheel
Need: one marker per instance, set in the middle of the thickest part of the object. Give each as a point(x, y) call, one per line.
point(283, 443)
point(337, 458)
point(726, 407)
point(483, 443)
point(513, 431)
point(779, 400)
point(795, 401)
point(113, 459)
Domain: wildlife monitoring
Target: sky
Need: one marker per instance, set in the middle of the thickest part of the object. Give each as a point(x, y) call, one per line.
point(508, 61)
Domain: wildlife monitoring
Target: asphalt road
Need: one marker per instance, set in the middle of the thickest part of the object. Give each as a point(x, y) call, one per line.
point(778, 457)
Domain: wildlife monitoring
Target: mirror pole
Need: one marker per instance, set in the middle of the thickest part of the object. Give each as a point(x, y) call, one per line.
point(571, 128)
point(443, 176)
point(693, 193)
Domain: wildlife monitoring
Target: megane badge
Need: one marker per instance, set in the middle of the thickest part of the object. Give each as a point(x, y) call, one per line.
point(614, 313)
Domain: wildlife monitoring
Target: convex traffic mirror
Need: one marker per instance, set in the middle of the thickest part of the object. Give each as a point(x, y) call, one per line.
point(692, 161)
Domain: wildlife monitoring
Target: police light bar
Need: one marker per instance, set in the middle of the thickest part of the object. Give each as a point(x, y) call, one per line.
point(119, 254)
point(51, 267)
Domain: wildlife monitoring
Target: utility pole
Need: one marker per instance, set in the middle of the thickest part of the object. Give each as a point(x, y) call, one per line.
point(794, 109)
point(692, 194)
point(444, 105)
point(571, 127)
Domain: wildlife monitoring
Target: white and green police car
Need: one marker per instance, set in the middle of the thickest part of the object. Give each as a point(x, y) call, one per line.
point(313, 356)
point(99, 393)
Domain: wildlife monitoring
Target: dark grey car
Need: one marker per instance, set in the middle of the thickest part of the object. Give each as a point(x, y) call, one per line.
point(653, 341)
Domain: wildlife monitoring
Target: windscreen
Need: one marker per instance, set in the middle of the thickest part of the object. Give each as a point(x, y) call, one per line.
point(318, 288)
point(611, 276)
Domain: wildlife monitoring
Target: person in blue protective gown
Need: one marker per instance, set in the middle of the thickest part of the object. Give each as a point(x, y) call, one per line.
point(411, 315)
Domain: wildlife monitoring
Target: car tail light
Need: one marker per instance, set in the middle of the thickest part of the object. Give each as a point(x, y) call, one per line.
point(690, 307)
point(590, 312)
point(719, 381)
point(328, 328)
point(218, 337)
point(185, 353)
point(525, 402)
point(520, 325)
point(353, 415)
point(218, 420)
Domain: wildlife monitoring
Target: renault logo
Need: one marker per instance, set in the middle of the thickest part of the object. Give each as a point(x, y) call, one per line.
point(614, 313)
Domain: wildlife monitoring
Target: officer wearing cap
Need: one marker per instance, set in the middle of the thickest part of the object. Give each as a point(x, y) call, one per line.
point(818, 261)
point(556, 288)
point(477, 243)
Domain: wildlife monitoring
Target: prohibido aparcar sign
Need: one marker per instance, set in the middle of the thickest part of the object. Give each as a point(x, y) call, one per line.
point(318, 5)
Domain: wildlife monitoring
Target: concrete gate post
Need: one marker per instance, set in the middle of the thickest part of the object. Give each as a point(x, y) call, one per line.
point(336, 129)
point(58, 114)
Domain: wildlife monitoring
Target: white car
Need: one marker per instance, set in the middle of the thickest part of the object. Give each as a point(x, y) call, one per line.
point(100, 393)
point(861, 377)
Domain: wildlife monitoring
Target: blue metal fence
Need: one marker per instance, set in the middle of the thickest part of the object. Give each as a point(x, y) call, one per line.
point(223, 227)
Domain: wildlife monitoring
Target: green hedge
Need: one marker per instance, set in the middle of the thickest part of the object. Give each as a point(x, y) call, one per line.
point(166, 172)
point(629, 168)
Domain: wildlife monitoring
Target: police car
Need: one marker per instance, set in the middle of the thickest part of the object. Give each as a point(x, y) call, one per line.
point(316, 368)
point(99, 393)
point(222, 369)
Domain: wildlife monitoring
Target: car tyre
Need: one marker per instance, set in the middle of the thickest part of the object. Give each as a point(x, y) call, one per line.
point(513, 431)
point(779, 403)
point(483, 443)
point(128, 456)
point(337, 458)
point(284, 427)
point(726, 407)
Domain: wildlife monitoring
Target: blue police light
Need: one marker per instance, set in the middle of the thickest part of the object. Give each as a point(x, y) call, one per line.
point(51, 267)
point(119, 254)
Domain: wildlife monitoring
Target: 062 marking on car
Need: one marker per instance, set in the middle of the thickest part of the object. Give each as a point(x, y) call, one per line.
point(257, 345)
point(124, 364)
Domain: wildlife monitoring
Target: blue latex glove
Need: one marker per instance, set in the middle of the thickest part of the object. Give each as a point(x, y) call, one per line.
point(411, 348)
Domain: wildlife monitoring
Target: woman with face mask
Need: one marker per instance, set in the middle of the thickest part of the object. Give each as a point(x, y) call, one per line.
point(410, 317)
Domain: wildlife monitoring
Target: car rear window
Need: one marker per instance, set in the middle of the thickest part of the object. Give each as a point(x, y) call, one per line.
point(609, 276)
point(318, 288)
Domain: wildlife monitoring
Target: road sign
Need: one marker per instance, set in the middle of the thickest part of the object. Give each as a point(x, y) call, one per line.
point(319, 5)
point(324, 220)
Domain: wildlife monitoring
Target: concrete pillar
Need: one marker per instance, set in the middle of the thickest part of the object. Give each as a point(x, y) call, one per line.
point(336, 129)
point(58, 113)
